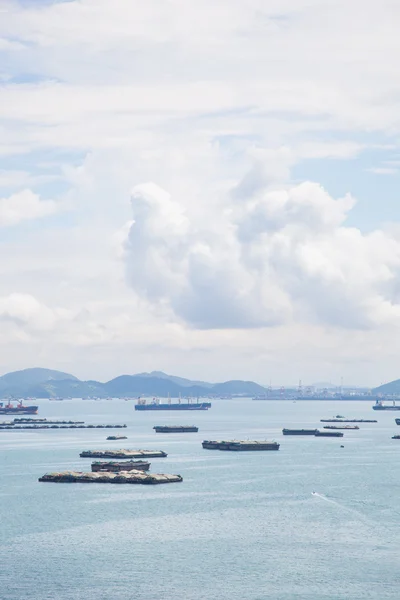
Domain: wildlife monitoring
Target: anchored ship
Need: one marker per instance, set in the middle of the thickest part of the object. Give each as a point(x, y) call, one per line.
point(17, 409)
point(298, 431)
point(175, 428)
point(157, 405)
point(380, 406)
point(237, 446)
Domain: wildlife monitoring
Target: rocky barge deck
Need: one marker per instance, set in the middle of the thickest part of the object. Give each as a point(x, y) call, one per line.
point(240, 446)
point(114, 467)
point(175, 428)
point(346, 427)
point(120, 454)
point(133, 477)
point(117, 437)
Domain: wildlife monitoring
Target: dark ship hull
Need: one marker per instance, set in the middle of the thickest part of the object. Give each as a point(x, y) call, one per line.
point(19, 410)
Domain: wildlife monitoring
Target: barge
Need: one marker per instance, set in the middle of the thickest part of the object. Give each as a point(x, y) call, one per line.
point(319, 433)
point(27, 421)
point(341, 427)
point(119, 454)
point(117, 437)
point(175, 428)
point(240, 446)
point(298, 431)
point(131, 477)
point(48, 426)
point(135, 465)
point(348, 421)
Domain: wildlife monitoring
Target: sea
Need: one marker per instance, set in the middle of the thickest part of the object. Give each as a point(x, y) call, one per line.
point(312, 521)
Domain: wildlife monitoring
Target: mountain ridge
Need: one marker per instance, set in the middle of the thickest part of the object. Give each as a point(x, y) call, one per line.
point(47, 383)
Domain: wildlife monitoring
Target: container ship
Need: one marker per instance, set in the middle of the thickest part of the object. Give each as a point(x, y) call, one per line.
point(17, 409)
point(380, 406)
point(157, 405)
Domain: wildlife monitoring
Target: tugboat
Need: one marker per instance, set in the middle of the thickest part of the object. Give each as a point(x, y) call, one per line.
point(18, 409)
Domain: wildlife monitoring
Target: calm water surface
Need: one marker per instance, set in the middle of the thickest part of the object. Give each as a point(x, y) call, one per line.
point(241, 526)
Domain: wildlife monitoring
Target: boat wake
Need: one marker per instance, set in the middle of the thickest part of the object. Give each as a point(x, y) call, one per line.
point(343, 507)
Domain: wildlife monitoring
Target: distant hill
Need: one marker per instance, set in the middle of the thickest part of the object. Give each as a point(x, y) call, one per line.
point(46, 383)
point(179, 380)
point(393, 387)
point(19, 383)
point(248, 388)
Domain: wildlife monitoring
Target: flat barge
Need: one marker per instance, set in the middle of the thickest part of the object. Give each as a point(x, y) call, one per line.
point(119, 454)
point(117, 437)
point(298, 431)
point(114, 467)
point(240, 446)
point(27, 421)
point(348, 421)
point(175, 428)
point(48, 426)
point(341, 427)
point(131, 477)
point(325, 433)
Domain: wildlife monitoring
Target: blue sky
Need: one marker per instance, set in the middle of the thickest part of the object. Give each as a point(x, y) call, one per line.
point(209, 190)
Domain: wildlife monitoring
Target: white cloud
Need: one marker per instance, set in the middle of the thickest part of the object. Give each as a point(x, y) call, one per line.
point(217, 103)
point(27, 312)
point(384, 170)
point(24, 205)
point(264, 258)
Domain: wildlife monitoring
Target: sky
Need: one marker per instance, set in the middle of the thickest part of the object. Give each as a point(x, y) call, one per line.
point(210, 189)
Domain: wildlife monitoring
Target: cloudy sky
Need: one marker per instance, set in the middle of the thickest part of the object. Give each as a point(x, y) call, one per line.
point(206, 188)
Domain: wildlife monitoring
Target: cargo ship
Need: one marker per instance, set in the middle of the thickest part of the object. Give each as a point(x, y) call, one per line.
point(175, 428)
point(157, 405)
point(299, 431)
point(238, 446)
point(380, 406)
point(17, 409)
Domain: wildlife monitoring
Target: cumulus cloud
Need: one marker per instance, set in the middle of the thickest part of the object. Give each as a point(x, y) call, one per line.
point(262, 259)
point(23, 206)
point(25, 310)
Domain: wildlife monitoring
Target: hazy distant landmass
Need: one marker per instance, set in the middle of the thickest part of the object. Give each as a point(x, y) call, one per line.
point(391, 388)
point(46, 383)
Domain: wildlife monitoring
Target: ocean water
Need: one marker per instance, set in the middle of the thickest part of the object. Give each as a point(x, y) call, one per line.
point(240, 526)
